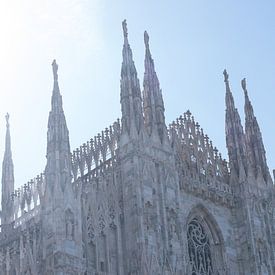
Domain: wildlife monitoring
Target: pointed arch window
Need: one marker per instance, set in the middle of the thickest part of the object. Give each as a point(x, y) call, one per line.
point(205, 244)
point(199, 249)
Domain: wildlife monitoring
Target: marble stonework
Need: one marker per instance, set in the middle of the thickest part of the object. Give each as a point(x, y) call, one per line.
point(142, 197)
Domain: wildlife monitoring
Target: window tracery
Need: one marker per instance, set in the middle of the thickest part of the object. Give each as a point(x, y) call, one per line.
point(199, 249)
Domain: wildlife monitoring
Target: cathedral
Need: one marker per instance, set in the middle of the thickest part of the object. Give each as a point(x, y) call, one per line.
point(142, 197)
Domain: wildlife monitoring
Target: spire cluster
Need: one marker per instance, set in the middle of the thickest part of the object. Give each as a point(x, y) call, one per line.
point(138, 112)
point(142, 115)
point(245, 148)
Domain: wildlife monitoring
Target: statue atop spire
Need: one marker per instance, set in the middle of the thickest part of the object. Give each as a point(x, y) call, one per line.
point(124, 26)
point(243, 83)
point(226, 76)
point(55, 69)
point(125, 31)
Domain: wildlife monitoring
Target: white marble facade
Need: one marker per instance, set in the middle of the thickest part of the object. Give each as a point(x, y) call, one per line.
point(142, 197)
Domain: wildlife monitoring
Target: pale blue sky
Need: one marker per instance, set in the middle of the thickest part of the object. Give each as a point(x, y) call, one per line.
point(191, 43)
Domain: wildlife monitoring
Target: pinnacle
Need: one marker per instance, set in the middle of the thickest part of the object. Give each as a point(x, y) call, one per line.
point(243, 84)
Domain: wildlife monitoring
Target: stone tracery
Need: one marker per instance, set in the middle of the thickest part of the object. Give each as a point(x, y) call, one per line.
point(133, 215)
point(199, 249)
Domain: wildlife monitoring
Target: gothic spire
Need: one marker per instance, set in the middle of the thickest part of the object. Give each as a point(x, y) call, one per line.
point(7, 178)
point(234, 134)
point(56, 96)
point(254, 141)
point(130, 95)
point(152, 95)
point(58, 145)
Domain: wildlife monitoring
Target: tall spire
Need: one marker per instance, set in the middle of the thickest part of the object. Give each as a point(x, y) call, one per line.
point(130, 95)
point(60, 203)
point(234, 134)
point(58, 145)
point(152, 96)
point(254, 141)
point(7, 178)
point(56, 97)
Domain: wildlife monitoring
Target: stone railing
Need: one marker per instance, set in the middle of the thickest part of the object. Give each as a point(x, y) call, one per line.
point(26, 199)
point(88, 161)
point(94, 153)
point(200, 165)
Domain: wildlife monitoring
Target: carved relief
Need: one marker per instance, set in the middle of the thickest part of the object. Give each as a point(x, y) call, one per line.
point(70, 224)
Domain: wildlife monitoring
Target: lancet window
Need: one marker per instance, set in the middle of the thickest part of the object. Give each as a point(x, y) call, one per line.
point(199, 249)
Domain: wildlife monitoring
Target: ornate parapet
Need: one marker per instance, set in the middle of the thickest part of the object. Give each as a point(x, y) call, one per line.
point(201, 168)
point(20, 249)
point(88, 161)
point(96, 151)
point(26, 200)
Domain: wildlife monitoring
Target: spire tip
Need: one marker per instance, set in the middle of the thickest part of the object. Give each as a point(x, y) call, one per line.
point(7, 116)
point(243, 82)
point(55, 69)
point(226, 76)
point(146, 40)
point(124, 27)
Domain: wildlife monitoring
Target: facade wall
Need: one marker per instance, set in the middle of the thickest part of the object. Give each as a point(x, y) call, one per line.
point(141, 197)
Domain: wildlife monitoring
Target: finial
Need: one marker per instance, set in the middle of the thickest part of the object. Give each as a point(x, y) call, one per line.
point(55, 69)
point(7, 116)
point(146, 40)
point(124, 27)
point(226, 76)
point(243, 82)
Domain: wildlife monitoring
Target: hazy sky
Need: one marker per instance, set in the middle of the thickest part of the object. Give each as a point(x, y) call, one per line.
point(191, 43)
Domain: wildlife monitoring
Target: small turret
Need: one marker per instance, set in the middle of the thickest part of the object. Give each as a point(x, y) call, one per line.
point(7, 180)
point(152, 96)
point(254, 142)
point(130, 95)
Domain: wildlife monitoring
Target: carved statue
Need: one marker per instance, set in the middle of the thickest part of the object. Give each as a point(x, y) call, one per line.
point(124, 26)
point(70, 230)
point(55, 69)
point(226, 76)
point(243, 84)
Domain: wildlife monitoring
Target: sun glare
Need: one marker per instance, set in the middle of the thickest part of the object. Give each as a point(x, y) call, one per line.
point(32, 34)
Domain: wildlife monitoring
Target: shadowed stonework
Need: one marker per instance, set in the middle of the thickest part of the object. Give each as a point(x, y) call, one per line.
point(142, 197)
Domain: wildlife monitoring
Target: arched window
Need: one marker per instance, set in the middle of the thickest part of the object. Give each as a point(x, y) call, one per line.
point(205, 244)
point(199, 249)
